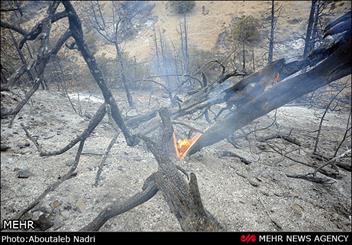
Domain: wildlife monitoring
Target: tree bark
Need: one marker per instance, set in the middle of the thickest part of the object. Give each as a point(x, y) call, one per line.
point(311, 20)
point(332, 68)
point(271, 40)
point(77, 33)
point(123, 77)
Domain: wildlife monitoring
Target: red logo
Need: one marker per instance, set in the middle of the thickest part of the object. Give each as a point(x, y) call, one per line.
point(248, 238)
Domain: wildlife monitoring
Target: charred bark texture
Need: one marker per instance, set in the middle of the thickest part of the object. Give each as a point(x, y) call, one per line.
point(70, 174)
point(183, 198)
point(118, 207)
point(335, 66)
point(309, 33)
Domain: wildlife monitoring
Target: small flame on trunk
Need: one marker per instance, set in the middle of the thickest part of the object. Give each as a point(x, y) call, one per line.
point(277, 78)
point(183, 145)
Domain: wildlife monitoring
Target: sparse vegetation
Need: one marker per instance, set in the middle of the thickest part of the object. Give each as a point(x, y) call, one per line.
point(182, 7)
point(246, 32)
point(200, 111)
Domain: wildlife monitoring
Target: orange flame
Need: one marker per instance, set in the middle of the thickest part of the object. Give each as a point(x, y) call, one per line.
point(183, 145)
point(276, 78)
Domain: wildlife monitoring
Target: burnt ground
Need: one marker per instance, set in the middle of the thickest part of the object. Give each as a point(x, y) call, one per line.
point(258, 196)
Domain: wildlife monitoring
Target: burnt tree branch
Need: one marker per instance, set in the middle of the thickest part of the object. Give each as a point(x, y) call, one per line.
point(93, 123)
point(148, 191)
point(335, 66)
point(182, 198)
point(77, 33)
point(70, 174)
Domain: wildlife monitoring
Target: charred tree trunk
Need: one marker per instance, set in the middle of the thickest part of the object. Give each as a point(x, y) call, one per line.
point(334, 67)
point(165, 62)
point(271, 39)
point(156, 47)
point(311, 21)
point(243, 55)
point(185, 46)
point(123, 76)
point(253, 60)
point(182, 198)
point(77, 34)
point(44, 54)
point(315, 25)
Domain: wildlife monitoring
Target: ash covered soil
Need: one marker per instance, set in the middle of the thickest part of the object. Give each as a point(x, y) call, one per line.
point(256, 196)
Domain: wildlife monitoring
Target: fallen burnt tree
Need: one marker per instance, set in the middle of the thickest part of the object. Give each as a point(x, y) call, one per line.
point(253, 97)
point(335, 66)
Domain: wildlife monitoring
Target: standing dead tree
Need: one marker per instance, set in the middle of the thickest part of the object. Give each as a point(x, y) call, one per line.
point(312, 19)
point(111, 34)
point(184, 45)
point(117, 29)
point(273, 22)
point(77, 33)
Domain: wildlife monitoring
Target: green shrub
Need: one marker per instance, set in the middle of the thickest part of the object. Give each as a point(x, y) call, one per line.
point(246, 30)
point(182, 7)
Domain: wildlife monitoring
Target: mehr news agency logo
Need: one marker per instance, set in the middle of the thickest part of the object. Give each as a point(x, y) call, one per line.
point(295, 238)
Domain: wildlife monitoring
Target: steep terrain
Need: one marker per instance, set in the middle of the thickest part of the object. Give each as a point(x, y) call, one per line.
point(258, 196)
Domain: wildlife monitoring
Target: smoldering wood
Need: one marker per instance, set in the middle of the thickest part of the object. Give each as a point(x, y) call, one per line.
point(236, 93)
point(279, 67)
point(335, 66)
point(183, 198)
point(188, 126)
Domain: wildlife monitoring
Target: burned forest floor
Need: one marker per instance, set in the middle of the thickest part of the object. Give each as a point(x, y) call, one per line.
point(256, 196)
